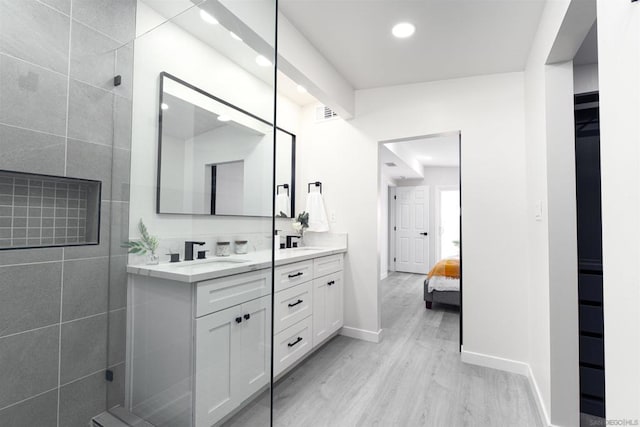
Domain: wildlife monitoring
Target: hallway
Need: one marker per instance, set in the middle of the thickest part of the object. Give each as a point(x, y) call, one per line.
point(414, 377)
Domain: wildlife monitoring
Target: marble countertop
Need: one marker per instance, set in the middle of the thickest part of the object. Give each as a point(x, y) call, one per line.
point(215, 267)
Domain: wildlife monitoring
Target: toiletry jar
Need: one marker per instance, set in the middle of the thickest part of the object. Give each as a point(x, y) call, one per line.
point(223, 248)
point(241, 247)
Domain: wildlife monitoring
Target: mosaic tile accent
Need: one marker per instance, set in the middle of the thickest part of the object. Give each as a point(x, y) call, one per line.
point(38, 211)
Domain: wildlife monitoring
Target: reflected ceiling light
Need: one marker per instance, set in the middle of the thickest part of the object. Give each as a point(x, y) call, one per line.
point(206, 17)
point(164, 106)
point(224, 118)
point(235, 36)
point(403, 30)
point(302, 89)
point(263, 62)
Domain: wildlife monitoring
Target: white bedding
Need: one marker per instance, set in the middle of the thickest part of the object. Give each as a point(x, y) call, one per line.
point(441, 283)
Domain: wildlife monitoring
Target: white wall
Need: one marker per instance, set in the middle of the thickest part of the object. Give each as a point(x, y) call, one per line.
point(585, 78)
point(489, 110)
point(619, 68)
point(168, 48)
point(434, 177)
point(384, 230)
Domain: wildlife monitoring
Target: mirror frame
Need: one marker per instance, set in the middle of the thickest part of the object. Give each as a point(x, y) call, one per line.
point(292, 185)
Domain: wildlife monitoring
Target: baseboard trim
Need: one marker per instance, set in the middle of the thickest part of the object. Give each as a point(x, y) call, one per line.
point(495, 362)
point(537, 395)
point(361, 334)
point(513, 366)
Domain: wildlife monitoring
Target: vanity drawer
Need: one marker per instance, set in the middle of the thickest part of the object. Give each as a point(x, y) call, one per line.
point(289, 275)
point(218, 294)
point(327, 265)
point(292, 305)
point(291, 344)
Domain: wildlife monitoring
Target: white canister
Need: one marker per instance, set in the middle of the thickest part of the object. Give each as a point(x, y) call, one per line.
point(241, 247)
point(223, 248)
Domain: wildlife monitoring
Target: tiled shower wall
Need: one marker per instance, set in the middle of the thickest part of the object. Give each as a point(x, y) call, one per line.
point(62, 310)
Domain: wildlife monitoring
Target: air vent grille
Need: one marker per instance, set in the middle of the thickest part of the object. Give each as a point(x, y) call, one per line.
point(324, 113)
point(391, 165)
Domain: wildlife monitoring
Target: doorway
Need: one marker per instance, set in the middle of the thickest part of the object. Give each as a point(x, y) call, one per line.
point(421, 205)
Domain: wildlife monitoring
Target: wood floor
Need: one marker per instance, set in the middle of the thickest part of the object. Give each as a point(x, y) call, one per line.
point(414, 377)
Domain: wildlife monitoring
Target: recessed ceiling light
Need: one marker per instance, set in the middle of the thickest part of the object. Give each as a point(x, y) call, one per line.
point(224, 118)
point(403, 30)
point(302, 89)
point(164, 106)
point(263, 62)
point(235, 36)
point(206, 17)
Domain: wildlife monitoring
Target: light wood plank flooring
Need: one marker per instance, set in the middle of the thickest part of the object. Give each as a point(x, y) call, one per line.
point(414, 377)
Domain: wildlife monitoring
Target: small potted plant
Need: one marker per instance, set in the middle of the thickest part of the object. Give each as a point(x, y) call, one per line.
point(146, 245)
point(301, 223)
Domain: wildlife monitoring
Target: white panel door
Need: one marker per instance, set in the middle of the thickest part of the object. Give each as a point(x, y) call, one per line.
point(254, 368)
point(412, 227)
point(216, 348)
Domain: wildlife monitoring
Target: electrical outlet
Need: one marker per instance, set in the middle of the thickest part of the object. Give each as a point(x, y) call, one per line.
point(332, 216)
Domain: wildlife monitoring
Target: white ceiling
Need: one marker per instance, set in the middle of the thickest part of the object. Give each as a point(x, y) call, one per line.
point(429, 151)
point(453, 38)
point(588, 52)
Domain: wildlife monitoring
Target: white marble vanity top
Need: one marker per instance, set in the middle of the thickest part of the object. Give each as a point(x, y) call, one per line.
point(214, 267)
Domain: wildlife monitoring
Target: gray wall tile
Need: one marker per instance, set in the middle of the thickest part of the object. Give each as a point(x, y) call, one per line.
point(122, 130)
point(117, 336)
point(63, 6)
point(32, 97)
point(93, 56)
point(29, 296)
point(28, 364)
point(90, 161)
point(90, 113)
point(119, 227)
point(82, 400)
point(85, 288)
point(115, 18)
point(28, 151)
point(41, 411)
point(118, 282)
point(121, 174)
point(83, 347)
point(124, 68)
point(35, 33)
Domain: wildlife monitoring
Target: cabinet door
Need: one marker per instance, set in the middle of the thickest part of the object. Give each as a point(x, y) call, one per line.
point(216, 345)
point(253, 369)
point(335, 302)
point(320, 294)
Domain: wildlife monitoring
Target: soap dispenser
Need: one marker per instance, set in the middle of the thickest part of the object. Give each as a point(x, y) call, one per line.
point(276, 241)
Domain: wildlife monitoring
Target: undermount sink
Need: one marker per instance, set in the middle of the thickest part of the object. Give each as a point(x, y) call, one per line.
point(217, 262)
point(304, 248)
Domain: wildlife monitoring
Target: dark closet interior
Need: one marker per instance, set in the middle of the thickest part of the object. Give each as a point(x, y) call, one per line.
point(589, 219)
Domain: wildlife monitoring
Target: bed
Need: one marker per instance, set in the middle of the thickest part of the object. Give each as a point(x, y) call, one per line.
point(442, 284)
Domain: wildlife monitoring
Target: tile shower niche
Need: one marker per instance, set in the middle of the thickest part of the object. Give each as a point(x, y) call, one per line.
point(43, 211)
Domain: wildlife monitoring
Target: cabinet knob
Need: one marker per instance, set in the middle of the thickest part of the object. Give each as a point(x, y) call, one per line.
point(238, 319)
point(247, 316)
point(333, 282)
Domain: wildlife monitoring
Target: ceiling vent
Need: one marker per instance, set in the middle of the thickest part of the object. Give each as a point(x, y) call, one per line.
point(324, 113)
point(391, 164)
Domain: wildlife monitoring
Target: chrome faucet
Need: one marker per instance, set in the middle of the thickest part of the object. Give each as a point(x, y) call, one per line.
point(188, 249)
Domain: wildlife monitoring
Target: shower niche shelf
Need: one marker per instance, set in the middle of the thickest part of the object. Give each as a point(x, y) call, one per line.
point(40, 211)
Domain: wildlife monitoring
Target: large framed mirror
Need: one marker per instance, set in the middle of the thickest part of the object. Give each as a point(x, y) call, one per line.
point(213, 157)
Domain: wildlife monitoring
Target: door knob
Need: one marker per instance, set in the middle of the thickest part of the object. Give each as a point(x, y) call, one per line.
point(425, 234)
point(238, 319)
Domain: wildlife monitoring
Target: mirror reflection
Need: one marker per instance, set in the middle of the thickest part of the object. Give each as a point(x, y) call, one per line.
point(213, 157)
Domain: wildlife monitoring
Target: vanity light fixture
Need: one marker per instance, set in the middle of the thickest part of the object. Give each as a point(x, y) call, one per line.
point(302, 89)
point(403, 30)
point(263, 62)
point(224, 118)
point(164, 106)
point(206, 17)
point(235, 36)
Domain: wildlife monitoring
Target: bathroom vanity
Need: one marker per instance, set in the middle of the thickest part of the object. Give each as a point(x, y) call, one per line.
point(199, 333)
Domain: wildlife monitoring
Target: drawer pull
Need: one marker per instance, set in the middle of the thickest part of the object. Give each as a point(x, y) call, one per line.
point(247, 316)
point(238, 319)
point(333, 282)
point(299, 273)
point(291, 344)
point(295, 303)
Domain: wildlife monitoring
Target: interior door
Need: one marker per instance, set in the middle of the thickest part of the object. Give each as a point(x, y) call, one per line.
point(254, 369)
point(412, 229)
